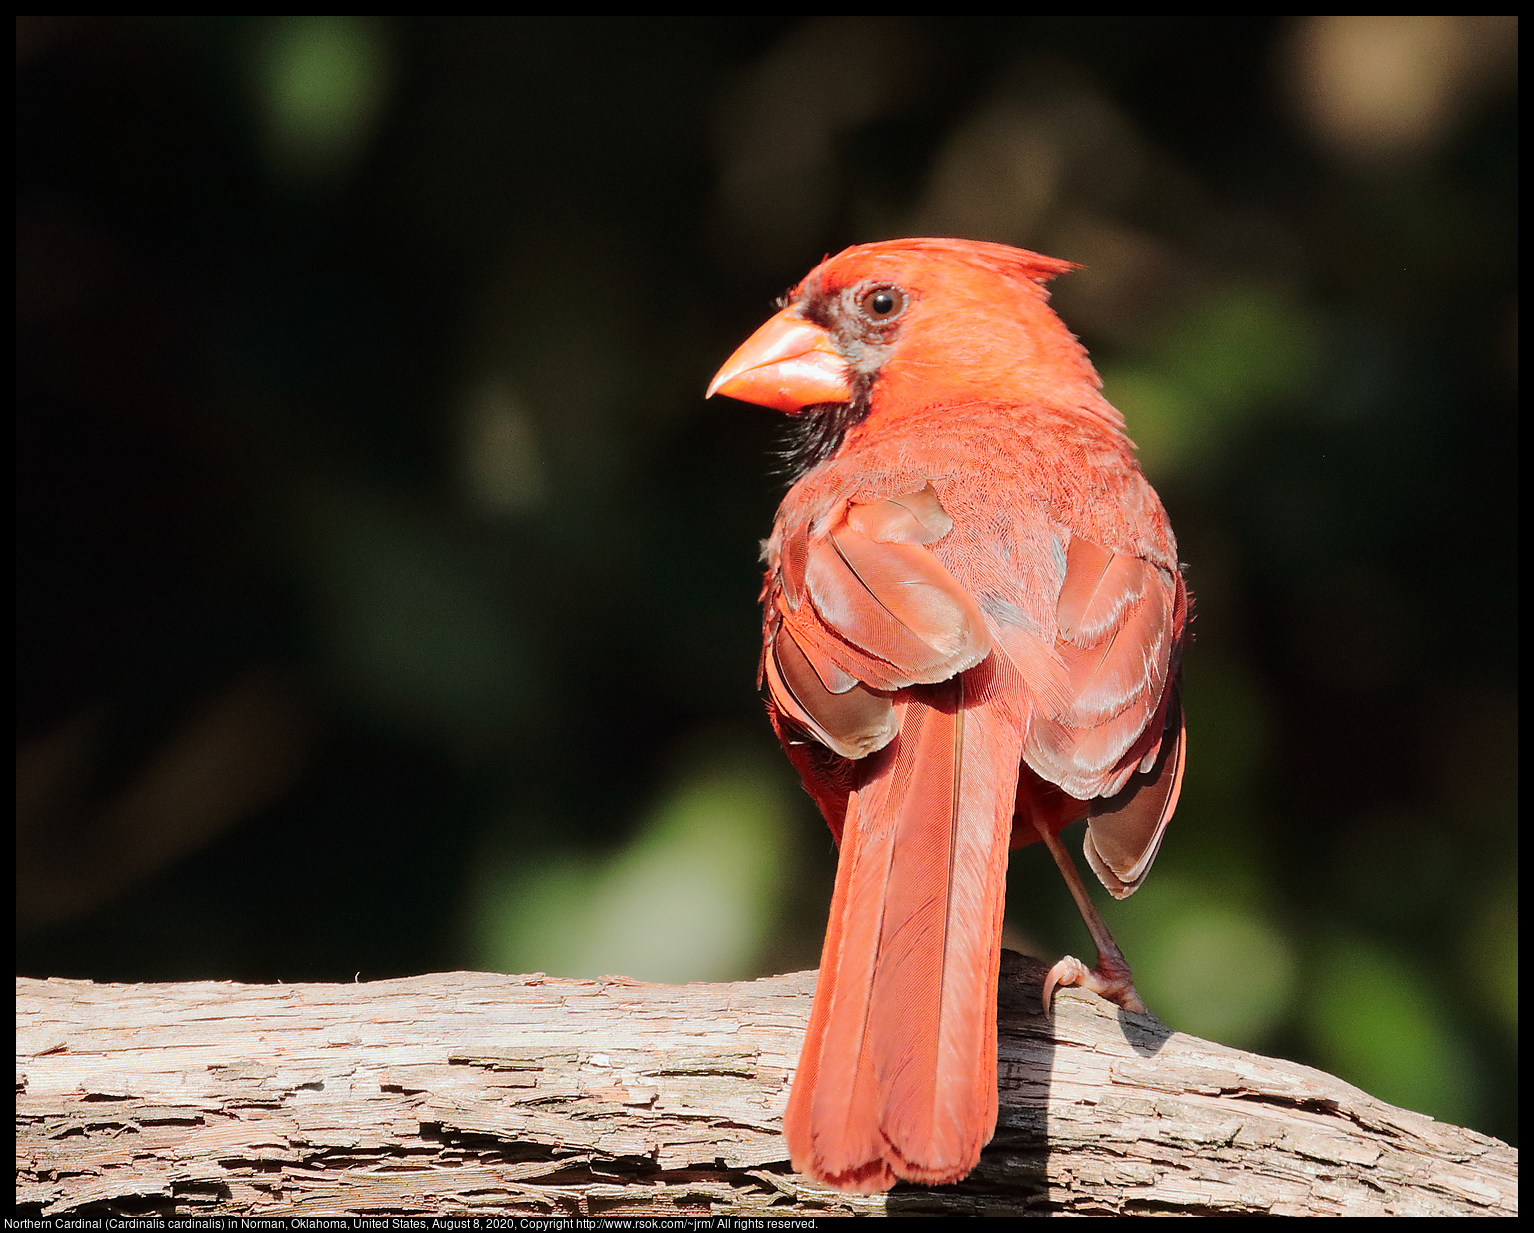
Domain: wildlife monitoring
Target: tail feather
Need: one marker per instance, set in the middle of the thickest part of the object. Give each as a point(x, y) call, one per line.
point(898, 1074)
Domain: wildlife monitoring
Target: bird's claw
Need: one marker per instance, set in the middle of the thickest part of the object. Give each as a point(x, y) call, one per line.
point(1108, 980)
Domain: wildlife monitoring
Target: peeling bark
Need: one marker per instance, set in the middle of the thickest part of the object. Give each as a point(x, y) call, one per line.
point(477, 1094)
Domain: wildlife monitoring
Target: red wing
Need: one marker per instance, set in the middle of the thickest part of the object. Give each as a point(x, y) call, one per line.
point(1119, 740)
point(854, 721)
point(882, 614)
point(1124, 833)
point(1120, 619)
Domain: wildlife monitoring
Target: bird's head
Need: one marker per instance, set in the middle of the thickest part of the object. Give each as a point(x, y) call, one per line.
point(904, 324)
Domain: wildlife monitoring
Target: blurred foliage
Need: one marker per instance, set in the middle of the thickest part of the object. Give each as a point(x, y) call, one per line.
point(1362, 993)
point(387, 590)
point(1232, 354)
point(318, 84)
point(691, 896)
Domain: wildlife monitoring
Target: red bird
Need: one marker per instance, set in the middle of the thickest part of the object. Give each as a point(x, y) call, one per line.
point(973, 617)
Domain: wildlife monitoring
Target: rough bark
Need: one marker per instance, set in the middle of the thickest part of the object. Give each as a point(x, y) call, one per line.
point(469, 1093)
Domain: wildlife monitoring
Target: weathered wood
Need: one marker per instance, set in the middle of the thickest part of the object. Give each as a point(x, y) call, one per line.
point(478, 1094)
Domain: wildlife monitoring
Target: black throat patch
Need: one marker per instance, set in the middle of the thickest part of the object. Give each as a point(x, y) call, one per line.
point(817, 432)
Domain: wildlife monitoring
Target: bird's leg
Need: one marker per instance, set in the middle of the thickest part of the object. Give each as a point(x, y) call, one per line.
point(1111, 978)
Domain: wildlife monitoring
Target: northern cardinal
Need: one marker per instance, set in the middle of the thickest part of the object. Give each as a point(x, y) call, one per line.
point(973, 618)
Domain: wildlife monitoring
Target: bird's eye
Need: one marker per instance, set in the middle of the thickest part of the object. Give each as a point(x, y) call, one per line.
point(881, 304)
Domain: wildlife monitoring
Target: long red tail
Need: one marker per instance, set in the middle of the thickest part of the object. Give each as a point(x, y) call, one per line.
point(898, 1075)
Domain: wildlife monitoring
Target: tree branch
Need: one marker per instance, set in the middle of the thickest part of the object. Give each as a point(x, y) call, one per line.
point(472, 1093)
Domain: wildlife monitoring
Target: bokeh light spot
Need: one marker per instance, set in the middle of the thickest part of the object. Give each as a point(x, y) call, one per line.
point(321, 82)
point(502, 467)
point(1206, 964)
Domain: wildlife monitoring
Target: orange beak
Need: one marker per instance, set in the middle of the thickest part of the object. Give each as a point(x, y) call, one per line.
point(788, 364)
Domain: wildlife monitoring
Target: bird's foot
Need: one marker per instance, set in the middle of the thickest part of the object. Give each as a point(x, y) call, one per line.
point(1110, 980)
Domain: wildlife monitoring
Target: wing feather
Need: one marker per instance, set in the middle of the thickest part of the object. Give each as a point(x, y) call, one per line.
point(1124, 831)
point(883, 610)
point(897, 601)
point(912, 518)
point(1118, 740)
point(854, 721)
